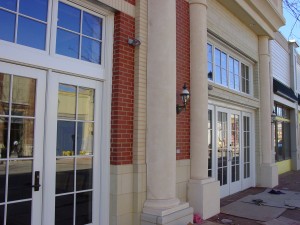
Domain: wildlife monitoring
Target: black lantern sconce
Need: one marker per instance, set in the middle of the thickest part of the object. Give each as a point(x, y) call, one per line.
point(273, 117)
point(185, 95)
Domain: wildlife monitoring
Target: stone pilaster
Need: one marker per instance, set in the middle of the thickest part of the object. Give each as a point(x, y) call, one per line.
point(162, 205)
point(268, 168)
point(203, 192)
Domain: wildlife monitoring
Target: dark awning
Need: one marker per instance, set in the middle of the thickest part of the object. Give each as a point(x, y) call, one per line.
point(284, 91)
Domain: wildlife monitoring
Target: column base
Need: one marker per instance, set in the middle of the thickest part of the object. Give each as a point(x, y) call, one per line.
point(204, 197)
point(179, 215)
point(268, 175)
point(296, 160)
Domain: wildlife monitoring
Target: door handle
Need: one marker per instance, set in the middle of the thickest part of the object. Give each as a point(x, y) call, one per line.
point(36, 184)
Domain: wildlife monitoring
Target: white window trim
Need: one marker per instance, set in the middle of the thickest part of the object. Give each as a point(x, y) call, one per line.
point(237, 57)
point(47, 59)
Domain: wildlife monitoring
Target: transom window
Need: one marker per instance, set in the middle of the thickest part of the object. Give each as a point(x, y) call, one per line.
point(78, 32)
point(226, 70)
point(24, 22)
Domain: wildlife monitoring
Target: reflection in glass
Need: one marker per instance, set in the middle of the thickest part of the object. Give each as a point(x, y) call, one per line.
point(2, 181)
point(91, 50)
point(31, 33)
point(65, 145)
point(19, 213)
point(34, 8)
point(64, 175)
point(21, 138)
point(3, 137)
point(84, 208)
point(86, 104)
point(64, 209)
point(84, 173)
point(11, 4)
point(68, 17)
point(67, 44)
point(7, 24)
point(85, 138)
point(19, 179)
point(66, 101)
point(4, 92)
point(23, 97)
point(92, 26)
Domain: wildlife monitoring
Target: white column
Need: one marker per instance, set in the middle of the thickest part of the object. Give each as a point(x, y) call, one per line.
point(161, 116)
point(269, 171)
point(203, 192)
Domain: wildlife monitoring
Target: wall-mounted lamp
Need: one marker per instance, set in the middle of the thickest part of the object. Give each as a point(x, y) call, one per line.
point(134, 42)
point(273, 117)
point(185, 95)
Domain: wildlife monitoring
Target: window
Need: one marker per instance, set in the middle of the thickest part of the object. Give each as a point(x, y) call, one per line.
point(78, 32)
point(24, 22)
point(209, 62)
point(245, 78)
point(282, 133)
point(226, 70)
point(220, 67)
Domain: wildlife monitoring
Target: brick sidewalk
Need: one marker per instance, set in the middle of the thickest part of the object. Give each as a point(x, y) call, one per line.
point(287, 181)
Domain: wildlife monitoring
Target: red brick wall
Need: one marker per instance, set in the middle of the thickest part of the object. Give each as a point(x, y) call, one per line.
point(122, 91)
point(182, 76)
point(131, 1)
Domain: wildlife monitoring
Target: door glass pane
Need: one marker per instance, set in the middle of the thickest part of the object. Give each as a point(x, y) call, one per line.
point(91, 50)
point(21, 138)
point(86, 104)
point(19, 179)
point(64, 208)
point(23, 97)
point(64, 175)
point(85, 138)
point(11, 4)
point(65, 145)
point(19, 213)
point(92, 26)
point(2, 181)
point(67, 43)
point(84, 208)
point(31, 33)
point(222, 137)
point(69, 17)
point(4, 93)
point(84, 173)
point(34, 8)
point(3, 137)
point(66, 101)
point(7, 25)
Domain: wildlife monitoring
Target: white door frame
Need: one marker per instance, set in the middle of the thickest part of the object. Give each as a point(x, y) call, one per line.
point(244, 183)
point(40, 77)
point(99, 166)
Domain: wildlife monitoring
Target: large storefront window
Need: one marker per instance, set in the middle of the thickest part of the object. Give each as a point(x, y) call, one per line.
point(228, 71)
point(282, 133)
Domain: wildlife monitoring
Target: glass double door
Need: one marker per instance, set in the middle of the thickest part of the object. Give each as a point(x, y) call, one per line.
point(232, 150)
point(48, 150)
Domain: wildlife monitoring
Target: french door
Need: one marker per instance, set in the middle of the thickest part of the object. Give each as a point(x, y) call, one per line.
point(233, 144)
point(49, 155)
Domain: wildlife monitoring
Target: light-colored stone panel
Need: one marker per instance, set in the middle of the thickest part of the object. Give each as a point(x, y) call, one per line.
point(120, 5)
